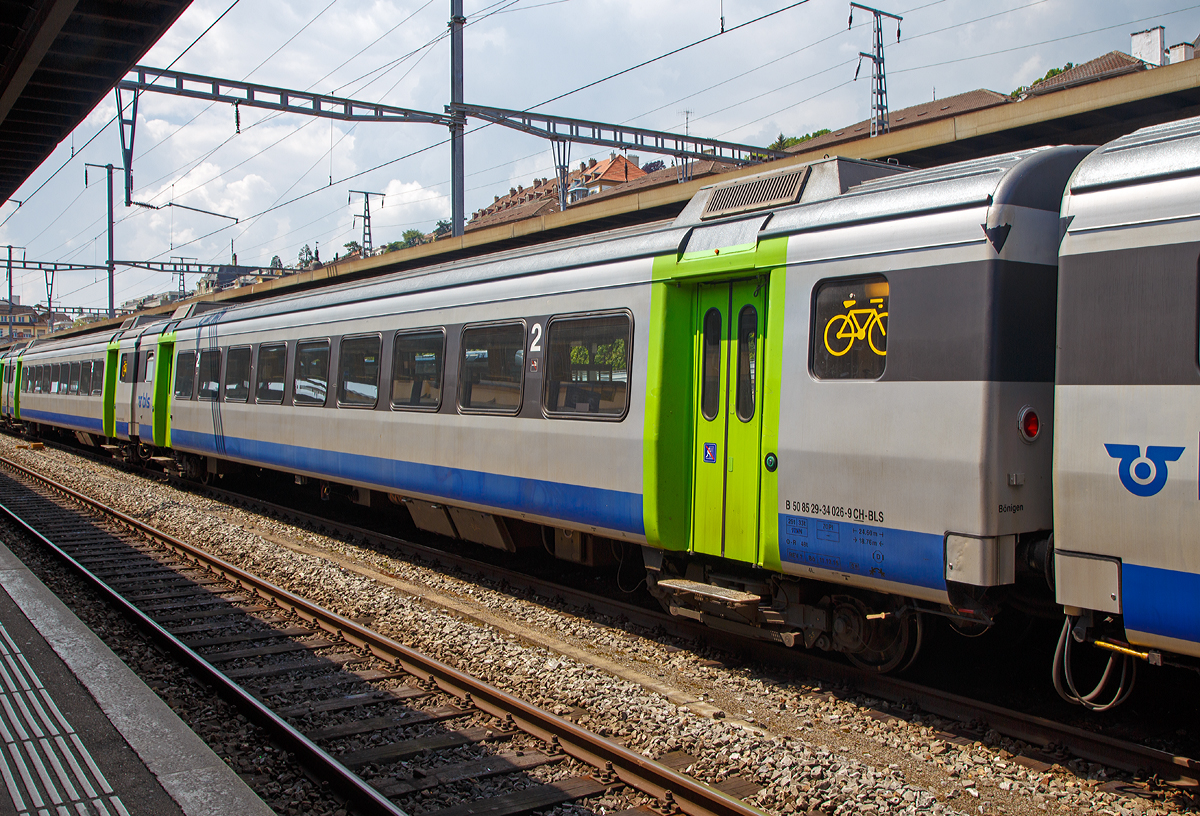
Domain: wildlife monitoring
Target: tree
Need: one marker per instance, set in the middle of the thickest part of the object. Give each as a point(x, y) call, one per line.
point(657, 164)
point(306, 255)
point(352, 247)
point(1053, 72)
point(784, 142)
point(412, 237)
point(443, 226)
point(276, 262)
point(394, 246)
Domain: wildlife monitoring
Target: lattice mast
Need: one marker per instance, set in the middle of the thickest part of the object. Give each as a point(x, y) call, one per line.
point(879, 106)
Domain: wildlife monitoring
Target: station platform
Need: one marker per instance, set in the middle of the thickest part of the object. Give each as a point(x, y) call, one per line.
point(82, 733)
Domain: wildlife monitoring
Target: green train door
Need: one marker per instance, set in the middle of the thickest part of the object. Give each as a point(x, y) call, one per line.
point(729, 323)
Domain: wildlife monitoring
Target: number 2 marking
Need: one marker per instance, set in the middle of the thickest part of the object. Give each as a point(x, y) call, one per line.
point(536, 343)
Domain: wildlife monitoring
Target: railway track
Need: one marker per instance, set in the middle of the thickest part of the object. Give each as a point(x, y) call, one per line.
point(348, 702)
point(1049, 741)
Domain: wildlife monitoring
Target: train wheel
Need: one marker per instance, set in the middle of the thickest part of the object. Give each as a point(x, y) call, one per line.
point(877, 644)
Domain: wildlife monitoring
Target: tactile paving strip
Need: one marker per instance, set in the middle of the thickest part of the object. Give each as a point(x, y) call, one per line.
point(45, 766)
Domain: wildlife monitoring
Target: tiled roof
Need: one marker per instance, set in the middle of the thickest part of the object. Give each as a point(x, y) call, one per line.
point(667, 175)
point(517, 212)
point(906, 117)
point(1114, 63)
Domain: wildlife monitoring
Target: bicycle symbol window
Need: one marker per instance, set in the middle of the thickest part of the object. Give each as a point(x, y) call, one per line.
point(849, 331)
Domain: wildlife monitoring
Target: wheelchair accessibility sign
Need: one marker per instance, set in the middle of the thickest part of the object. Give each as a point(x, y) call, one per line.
point(710, 452)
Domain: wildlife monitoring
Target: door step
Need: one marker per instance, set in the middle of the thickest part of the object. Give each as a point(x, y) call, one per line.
point(711, 591)
point(111, 448)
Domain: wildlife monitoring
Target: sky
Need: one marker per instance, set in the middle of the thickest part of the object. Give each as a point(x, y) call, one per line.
point(287, 177)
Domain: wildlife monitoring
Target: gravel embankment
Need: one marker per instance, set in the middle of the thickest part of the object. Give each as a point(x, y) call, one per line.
point(808, 749)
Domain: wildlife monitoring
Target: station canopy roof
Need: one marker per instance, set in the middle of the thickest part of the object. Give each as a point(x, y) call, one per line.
point(58, 59)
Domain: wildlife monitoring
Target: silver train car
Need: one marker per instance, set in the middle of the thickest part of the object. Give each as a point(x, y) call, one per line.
point(825, 403)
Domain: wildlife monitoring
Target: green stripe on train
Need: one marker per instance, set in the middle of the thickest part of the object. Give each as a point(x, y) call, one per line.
point(670, 373)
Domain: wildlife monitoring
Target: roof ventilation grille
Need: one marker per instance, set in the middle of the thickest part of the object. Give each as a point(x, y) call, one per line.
point(755, 194)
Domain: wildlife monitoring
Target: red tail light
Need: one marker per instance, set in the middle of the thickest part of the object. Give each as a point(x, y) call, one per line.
point(1028, 423)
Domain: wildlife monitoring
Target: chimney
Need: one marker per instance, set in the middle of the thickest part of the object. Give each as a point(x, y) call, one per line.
point(1149, 46)
point(592, 162)
point(1183, 51)
point(635, 159)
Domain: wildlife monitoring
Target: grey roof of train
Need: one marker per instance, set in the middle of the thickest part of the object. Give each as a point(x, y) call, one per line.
point(1157, 152)
point(950, 187)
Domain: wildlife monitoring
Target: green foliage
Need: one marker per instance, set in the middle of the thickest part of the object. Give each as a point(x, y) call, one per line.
point(394, 246)
point(612, 355)
point(412, 237)
point(443, 227)
point(276, 262)
point(784, 142)
point(352, 247)
point(306, 255)
point(1053, 72)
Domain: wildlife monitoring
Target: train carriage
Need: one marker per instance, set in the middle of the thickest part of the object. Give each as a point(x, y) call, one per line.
point(825, 402)
point(1126, 453)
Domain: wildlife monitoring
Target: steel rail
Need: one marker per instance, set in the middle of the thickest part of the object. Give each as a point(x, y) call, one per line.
point(1177, 771)
point(344, 781)
point(689, 795)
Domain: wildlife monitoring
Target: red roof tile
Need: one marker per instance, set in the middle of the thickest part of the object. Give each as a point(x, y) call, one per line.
point(1112, 64)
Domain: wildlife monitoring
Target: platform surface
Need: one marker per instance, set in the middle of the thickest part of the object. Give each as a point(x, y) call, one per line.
point(82, 733)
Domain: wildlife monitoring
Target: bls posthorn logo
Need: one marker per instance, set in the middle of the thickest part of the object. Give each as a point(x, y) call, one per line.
point(1143, 475)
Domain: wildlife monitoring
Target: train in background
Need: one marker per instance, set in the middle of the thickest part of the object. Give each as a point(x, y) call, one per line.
point(826, 403)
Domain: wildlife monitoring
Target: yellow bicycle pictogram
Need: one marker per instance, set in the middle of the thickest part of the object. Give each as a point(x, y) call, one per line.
point(844, 330)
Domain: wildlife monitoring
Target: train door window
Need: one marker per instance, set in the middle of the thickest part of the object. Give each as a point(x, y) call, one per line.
point(126, 365)
point(237, 374)
point(85, 378)
point(747, 362)
point(55, 377)
point(185, 374)
point(417, 366)
point(148, 372)
point(493, 362)
point(209, 384)
point(587, 366)
point(358, 387)
point(849, 329)
point(312, 372)
point(272, 368)
point(97, 377)
point(73, 379)
point(710, 390)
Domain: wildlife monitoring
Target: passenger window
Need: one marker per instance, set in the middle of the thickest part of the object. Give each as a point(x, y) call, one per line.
point(209, 385)
point(493, 361)
point(45, 379)
point(55, 377)
point(710, 393)
point(148, 374)
point(849, 330)
point(747, 360)
point(73, 381)
point(587, 365)
point(358, 386)
point(312, 372)
point(97, 377)
point(237, 374)
point(185, 374)
point(85, 378)
point(272, 368)
point(417, 370)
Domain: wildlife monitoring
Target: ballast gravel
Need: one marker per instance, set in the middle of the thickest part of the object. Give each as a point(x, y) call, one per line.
point(808, 750)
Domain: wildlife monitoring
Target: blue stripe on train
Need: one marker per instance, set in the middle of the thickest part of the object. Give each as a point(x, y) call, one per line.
point(613, 509)
point(1161, 601)
point(78, 423)
point(886, 553)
